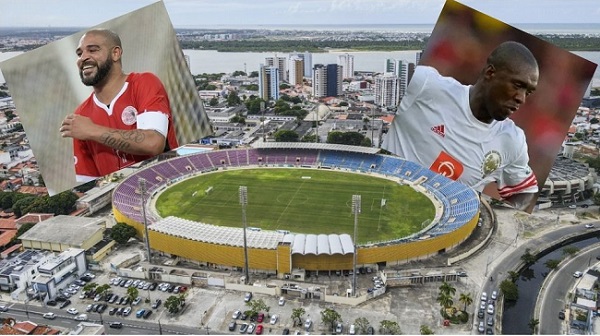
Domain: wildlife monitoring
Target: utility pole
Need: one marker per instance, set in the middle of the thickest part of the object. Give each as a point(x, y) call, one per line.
point(142, 186)
point(244, 202)
point(356, 210)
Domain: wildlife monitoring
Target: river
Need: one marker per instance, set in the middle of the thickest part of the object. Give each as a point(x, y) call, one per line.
point(212, 61)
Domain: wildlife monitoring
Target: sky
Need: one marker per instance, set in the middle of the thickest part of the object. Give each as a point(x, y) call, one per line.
point(224, 13)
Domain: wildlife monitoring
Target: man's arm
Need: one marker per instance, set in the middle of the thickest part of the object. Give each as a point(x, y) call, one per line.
point(137, 142)
point(520, 201)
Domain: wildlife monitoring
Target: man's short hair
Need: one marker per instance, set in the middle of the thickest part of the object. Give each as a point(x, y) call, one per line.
point(512, 55)
point(110, 35)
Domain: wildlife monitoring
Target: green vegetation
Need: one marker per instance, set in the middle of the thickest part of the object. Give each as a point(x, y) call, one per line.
point(283, 199)
point(121, 233)
point(263, 45)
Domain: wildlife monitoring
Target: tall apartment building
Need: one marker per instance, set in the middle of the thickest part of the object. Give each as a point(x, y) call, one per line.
point(386, 90)
point(327, 80)
point(347, 63)
point(307, 58)
point(399, 68)
point(268, 82)
point(281, 64)
point(296, 70)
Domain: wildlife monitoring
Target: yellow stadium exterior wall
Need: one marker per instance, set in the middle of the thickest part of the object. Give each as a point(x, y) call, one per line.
point(279, 259)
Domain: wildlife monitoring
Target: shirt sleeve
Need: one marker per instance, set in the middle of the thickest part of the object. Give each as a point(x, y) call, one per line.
point(154, 111)
point(416, 86)
point(518, 177)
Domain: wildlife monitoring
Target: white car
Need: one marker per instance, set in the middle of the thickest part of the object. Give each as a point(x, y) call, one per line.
point(589, 226)
point(577, 274)
point(307, 324)
point(236, 315)
point(490, 309)
point(572, 206)
point(482, 305)
point(281, 301)
point(89, 275)
point(484, 296)
point(82, 317)
point(72, 311)
point(49, 316)
point(494, 295)
point(274, 319)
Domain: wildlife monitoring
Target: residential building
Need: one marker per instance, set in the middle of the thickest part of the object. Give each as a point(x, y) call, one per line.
point(327, 80)
point(399, 68)
point(347, 63)
point(58, 271)
point(296, 70)
point(281, 64)
point(268, 82)
point(18, 272)
point(387, 92)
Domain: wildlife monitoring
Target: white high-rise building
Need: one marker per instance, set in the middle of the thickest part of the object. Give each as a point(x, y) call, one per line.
point(307, 64)
point(268, 82)
point(280, 63)
point(347, 63)
point(296, 70)
point(386, 90)
point(400, 69)
point(319, 81)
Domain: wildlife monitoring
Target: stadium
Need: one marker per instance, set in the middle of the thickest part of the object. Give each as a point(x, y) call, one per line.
point(295, 247)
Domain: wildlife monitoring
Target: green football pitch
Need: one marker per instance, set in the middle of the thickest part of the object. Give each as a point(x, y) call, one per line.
point(300, 201)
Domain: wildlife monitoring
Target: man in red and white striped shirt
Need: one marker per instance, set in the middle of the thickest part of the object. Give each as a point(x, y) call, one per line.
point(463, 131)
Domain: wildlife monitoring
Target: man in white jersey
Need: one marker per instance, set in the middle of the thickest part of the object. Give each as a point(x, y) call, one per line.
point(462, 131)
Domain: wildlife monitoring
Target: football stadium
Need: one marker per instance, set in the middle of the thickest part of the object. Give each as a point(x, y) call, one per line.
point(300, 207)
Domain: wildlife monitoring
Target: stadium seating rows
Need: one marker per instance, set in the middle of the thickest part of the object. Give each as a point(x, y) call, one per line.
point(460, 204)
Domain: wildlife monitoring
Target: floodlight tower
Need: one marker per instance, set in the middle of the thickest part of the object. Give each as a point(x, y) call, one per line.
point(142, 186)
point(244, 202)
point(355, 210)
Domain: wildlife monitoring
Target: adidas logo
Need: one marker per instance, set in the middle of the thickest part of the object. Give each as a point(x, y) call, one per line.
point(439, 130)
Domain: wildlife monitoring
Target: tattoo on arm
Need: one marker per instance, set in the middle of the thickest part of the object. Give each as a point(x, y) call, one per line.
point(122, 140)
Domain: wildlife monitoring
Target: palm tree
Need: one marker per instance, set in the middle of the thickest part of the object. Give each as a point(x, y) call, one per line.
point(447, 289)
point(445, 300)
point(466, 299)
point(533, 323)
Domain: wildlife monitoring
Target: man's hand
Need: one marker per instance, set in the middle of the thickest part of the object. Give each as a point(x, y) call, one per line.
point(78, 127)
point(521, 201)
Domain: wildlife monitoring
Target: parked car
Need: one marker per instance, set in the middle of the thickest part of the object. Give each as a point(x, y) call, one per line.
point(494, 295)
point(116, 325)
point(352, 330)
point(49, 316)
point(232, 326)
point(274, 318)
point(490, 321)
point(243, 328)
point(248, 297)
point(244, 316)
point(64, 304)
point(137, 301)
point(561, 314)
point(259, 329)
point(153, 286)
point(89, 308)
point(140, 313)
point(51, 303)
point(126, 311)
point(370, 330)
point(490, 309)
point(251, 328)
point(481, 327)
point(589, 226)
point(484, 296)
point(281, 301)
point(156, 303)
point(236, 314)
point(307, 324)
point(339, 328)
point(578, 274)
point(481, 313)
point(72, 311)
point(112, 311)
point(260, 317)
point(120, 311)
point(286, 331)
point(147, 313)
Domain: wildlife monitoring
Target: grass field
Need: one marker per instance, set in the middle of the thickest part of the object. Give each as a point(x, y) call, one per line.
point(283, 199)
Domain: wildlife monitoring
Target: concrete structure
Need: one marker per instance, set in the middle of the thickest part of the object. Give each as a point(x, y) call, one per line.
point(18, 271)
point(95, 198)
point(387, 90)
point(296, 70)
point(88, 328)
point(568, 181)
point(281, 64)
point(268, 82)
point(327, 80)
point(347, 63)
point(62, 232)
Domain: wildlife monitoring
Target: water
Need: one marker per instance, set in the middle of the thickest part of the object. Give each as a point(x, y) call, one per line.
point(515, 318)
point(212, 61)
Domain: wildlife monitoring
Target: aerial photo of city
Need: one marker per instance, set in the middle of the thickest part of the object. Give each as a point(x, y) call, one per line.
point(309, 201)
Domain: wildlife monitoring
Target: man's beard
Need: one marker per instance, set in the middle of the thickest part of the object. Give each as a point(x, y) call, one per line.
point(101, 74)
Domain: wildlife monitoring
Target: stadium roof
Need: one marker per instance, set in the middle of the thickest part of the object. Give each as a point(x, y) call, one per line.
point(214, 234)
point(321, 244)
point(314, 145)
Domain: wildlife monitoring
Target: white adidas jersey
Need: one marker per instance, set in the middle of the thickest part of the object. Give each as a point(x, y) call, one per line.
point(435, 127)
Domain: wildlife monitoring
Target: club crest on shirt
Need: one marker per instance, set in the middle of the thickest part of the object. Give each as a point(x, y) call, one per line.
point(129, 115)
point(491, 162)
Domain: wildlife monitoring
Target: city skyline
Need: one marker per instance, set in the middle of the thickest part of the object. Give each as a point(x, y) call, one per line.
point(218, 14)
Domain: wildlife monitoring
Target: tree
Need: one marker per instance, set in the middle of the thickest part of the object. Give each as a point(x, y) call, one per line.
point(509, 290)
point(528, 258)
point(132, 293)
point(298, 313)
point(570, 250)
point(253, 74)
point(309, 138)
point(86, 186)
point(341, 104)
point(233, 99)
point(425, 330)
point(286, 136)
point(447, 289)
point(389, 327)
point(121, 233)
point(24, 228)
point(514, 276)
point(466, 299)
point(257, 306)
point(330, 316)
point(596, 198)
point(594, 120)
point(345, 138)
point(362, 324)
point(89, 286)
point(238, 73)
point(552, 264)
point(533, 323)
point(284, 86)
point(173, 304)
point(445, 300)
point(238, 119)
point(102, 289)
point(214, 101)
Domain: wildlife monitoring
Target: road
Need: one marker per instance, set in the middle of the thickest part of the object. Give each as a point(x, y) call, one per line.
point(557, 288)
point(64, 320)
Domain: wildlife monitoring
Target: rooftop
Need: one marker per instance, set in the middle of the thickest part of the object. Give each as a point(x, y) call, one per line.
point(54, 229)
